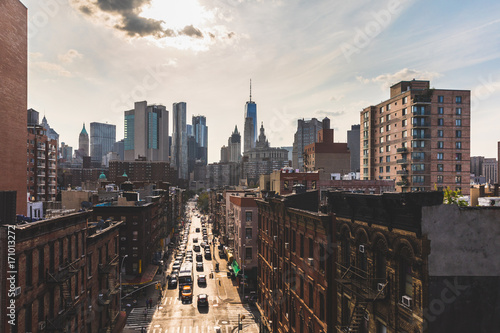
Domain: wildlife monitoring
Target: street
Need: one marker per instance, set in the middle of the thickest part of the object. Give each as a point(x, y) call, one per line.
point(171, 315)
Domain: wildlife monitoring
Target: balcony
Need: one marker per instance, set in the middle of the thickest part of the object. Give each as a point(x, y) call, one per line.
point(421, 124)
point(402, 161)
point(358, 281)
point(402, 172)
point(421, 136)
point(402, 183)
point(107, 267)
point(402, 150)
point(64, 273)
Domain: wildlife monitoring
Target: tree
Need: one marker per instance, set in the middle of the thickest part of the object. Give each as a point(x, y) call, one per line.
point(203, 202)
point(453, 197)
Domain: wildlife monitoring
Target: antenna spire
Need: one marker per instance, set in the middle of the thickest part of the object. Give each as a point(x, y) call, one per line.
point(250, 90)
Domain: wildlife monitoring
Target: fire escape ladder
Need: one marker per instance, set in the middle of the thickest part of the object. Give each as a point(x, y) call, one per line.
point(357, 316)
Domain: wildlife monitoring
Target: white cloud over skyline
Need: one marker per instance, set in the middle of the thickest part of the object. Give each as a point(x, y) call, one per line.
point(91, 66)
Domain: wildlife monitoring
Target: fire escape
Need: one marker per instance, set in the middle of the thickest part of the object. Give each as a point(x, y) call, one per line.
point(62, 278)
point(106, 299)
point(364, 289)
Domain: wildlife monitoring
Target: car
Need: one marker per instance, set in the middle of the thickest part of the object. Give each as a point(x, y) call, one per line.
point(202, 300)
point(176, 267)
point(177, 262)
point(172, 281)
point(179, 257)
point(202, 279)
point(187, 293)
point(203, 244)
point(189, 252)
point(199, 266)
point(208, 255)
point(196, 248)
point(199, 257)
point(222, 254)
point(195, 240)
point(197, 229)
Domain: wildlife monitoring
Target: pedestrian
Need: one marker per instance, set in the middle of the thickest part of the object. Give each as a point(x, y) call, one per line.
point(145, 314)
point(150, 303)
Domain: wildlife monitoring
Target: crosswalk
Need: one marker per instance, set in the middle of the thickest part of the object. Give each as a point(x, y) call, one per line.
point(176, 301)
point(191, 329)
point(136, 318)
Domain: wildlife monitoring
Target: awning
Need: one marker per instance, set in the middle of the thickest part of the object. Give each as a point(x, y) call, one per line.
point(236, 268)
point(146, 277)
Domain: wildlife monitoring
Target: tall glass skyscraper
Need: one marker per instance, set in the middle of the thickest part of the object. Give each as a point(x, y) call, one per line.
point(146, 132)
point(251, 112)
point(200, 133)
point(180, 140)
point(102, 138)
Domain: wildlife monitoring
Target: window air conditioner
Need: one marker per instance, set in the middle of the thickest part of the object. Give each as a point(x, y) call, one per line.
point(406, 300)
point(17, 291)
point(362, 248)
point(275, 238)
point(41, 325)
point(286, 246)
point(380, 286)
point(310, 261)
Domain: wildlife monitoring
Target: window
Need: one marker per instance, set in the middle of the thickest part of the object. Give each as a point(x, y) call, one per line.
point(440, 99)
point(387, 159)
point(405, 278)
point(388, 128)
point(381, 109)
point(248, 253)
point(41, 309)
point(388, 107)
point(387, 148)
point(458, 122)
point(311, 248)
point(302, 245)
point(346, 252)
point(458, 111)
point(381, 149)
point(388, 117)
point(313, 184)
point(440, 110)
point(417, 156)
point(417, 179)
point(405, 99)
point(61, 252)
point(322, 257)
point(441, 144)
point(440, 179)
point(28, 325)
point(458, 133)
point(381, 129)
point(248, 233)
point(301, 287)
point(388, 138)
point(458, 156)
point(381, 159)
point(440, 156)
point(248, 216)
point(458, 145)
point(321, 306)
point(418, 167)
point(41, 265)
point(440, 133)
point(405, 134)
point(381, 139)
point(458, 179)
point(29, 269)
point(440, 122)
point(381, 328)
point(70, 255)
point(381, 169)
point(440, 167)
point(135, 235)
point(458, 167)
point(458, 99)
point(405, 111)
point(381, 119)
point(388, 168)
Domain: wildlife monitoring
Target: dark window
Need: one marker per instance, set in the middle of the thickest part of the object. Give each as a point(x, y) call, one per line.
point(248, 233)
point(458, 167)
point(440, 133)
point(345, 311)
point(346, 252)
point(301, 287)
point(321, 306)
point(311, 296)
point(458, 99)
point(405, 278)
point(302, 245)
point(248, 216)
point(52, 257)
point(440, 179)
point(380, 267)
point(248, 253)
point(440, 110)
point(61, 252)
point(52, 303)
point(322, 258)
point(70, 255)
point(76, 246)
point(41, 265)
point(440, 122)
point(27, 319)
point(311, 248)
point(29, 269)
point(89, 263)
point(440, 167)
point(440, 99)
point(41, 309)
point(458, 133)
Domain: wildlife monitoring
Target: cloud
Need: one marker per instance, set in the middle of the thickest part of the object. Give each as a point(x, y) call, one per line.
point(86, 10)
point(70, 56)
point(51, 68)
point(191, 31)
point(135, 25)
point(406, 74)
point(320, 114)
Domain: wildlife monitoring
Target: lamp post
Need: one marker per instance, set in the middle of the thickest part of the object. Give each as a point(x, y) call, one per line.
point(243, 264)
point(121, 268)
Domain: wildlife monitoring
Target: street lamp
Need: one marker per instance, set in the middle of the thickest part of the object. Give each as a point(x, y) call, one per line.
point(121, 269)
point(243, 264)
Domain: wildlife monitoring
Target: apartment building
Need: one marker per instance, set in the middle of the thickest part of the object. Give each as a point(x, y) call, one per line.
point(420, 137)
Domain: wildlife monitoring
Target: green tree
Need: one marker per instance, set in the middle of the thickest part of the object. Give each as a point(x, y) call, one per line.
point(453, 197)
point(203, 202)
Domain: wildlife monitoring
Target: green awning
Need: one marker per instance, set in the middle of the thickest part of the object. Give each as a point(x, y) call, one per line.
point(236, 268)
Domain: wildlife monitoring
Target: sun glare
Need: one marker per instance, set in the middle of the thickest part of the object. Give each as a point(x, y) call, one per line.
point(177, 14)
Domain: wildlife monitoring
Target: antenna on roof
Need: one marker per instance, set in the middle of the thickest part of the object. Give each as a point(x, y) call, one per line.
point(250, 90)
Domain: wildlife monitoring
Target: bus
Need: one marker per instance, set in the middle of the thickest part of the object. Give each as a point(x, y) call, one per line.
point(186, 274)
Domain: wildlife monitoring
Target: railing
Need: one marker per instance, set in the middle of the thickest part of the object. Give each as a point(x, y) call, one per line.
point(106, 268)
point(402, 184)
point(402, 161)
point(402, 150)
point(65, 272)
point(364, 286)
point(402, 172)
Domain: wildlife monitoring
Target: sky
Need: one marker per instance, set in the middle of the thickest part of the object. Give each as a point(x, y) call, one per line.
point(90, 60)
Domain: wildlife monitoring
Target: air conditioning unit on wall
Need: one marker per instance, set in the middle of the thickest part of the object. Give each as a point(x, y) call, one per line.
point(362, 248)
point(310, 261)
point(287, 245)
point(406, 300)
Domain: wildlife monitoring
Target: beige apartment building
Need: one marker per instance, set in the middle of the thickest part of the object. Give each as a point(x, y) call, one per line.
point(420, 137)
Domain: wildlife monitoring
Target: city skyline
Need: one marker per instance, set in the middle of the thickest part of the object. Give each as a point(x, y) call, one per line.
point(209, 51)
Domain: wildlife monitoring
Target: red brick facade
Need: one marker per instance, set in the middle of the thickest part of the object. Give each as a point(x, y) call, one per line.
point(13, 101)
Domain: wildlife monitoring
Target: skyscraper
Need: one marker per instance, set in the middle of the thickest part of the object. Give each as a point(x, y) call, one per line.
point(102, 139)
point(13, 56)
point(307, 133)
point(247, 130)
point(353, 145)
point(419, 136)
point(179, 140)
point(250, 135)
point(83, 142)
point(200, 132)
point(146, 132)
point(234, 146)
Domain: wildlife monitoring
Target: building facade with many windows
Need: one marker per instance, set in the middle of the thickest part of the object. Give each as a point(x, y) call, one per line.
point(420, 137)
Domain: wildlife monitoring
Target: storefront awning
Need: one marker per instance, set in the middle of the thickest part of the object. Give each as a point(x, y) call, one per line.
point(236, 267)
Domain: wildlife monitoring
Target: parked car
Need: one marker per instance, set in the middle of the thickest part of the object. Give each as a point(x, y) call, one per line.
point(199, 266)
point(195, 240)
point(197, 229)
point(196, 248)
point(202, 300)
point(199, 258)
point(172, 281)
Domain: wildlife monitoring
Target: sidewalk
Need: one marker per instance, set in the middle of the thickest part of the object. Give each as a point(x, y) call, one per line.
point(228, 288)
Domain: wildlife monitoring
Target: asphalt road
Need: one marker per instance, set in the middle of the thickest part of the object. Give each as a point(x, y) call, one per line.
point(172, 315)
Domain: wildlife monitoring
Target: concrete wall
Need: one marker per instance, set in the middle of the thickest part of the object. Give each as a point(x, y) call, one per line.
point(463, 242)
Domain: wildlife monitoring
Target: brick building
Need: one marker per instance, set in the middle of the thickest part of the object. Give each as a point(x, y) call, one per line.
point(42, 164)
point(282, 181)
point(55, 280)
point(144, 171)
point(297, 252)
point(326, 155)
point(14, 65)
point(420, 137)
